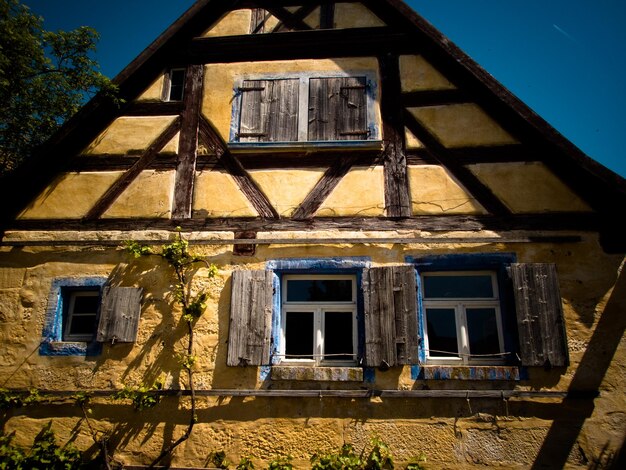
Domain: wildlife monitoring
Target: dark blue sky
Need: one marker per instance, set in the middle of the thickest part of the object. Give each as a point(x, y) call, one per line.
point(566, 59)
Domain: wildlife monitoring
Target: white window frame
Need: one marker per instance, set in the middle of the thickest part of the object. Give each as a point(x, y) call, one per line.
point(167, 92)
point(70, 314)
point(460, 306)
point(318, 309)
point(373, 112)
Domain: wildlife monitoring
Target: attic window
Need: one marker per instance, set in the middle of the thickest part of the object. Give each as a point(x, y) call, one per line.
point(304, 108)
point(174, 85)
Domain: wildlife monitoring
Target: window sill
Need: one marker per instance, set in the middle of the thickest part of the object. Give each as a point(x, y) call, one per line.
point(260, 147)
point(318, 374)
point(67, 348)
point(433, 372)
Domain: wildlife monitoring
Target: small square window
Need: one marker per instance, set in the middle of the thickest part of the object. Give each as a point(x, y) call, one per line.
point(174, 85)
point(319, 320)
point(81, 315)
point(462, 317)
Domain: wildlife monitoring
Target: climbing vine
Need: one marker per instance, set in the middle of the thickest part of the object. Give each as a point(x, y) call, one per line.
point(177, 255)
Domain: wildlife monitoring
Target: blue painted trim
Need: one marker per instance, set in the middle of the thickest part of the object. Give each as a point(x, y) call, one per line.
point(280, 267)
point(417, 372)
point(295, 265)
point(498, 262)
point(369, 375)
point(52, 343)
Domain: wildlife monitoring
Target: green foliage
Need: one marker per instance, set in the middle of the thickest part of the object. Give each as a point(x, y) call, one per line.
point(195, 308)
point(416, 463)
point(345, 459)
point(177, 253)
point(137, 249)
point(379, 457)
point(245, 464)
point(142, 397)
point(187, 361)
point(280, 463)
point(44, 79)
point(219, 460)
point(10, 399)
point(44, 454)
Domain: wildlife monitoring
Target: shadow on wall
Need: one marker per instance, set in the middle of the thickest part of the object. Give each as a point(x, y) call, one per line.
point(591, 372)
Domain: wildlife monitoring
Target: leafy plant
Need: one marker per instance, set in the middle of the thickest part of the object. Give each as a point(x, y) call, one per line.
point(345, 459)
point(379, 457)
point(245, 464)
point(281, 463)
point(137, 249)
point(142, 397)
point(44, 454)
point(219, 459)
point(9, 399)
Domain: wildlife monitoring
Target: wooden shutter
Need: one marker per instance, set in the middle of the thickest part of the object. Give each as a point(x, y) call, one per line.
point(269, 111)
point(540, 323)
point(119, 314)
point(338, 108)
point(390, 295)
point(250, 318)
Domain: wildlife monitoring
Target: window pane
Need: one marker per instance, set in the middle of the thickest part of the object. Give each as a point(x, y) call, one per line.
point(177, 83)
point(86, 303)
point(483, 330)
point(441, 327)
point(299, 335)
point(83, 325)
point(338, 336)
point(319, 290)
point(455, 287)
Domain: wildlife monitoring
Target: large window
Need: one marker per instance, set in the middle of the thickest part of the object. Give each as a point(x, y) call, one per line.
point(304, 108)
point(462, 317)
point(319, 319)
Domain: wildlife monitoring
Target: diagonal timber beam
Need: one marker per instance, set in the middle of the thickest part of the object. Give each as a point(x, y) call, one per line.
point(257, 198)
point(324, 187)
point(476, 188)
point(109, 197)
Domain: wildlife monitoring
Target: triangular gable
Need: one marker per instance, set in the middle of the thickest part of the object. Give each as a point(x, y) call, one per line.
point(401, 41)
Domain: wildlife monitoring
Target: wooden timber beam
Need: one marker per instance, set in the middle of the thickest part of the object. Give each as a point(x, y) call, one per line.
point(397, 198)
point(107, 199)
point(287, 19)
point(154, 108)
point(324, 187)
point(576, 221)
point(329, 43)
point(233, 166)
point(327, 15)
point(477, 189)
point(188, 143)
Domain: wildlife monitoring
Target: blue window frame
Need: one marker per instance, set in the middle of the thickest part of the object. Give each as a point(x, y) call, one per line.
point(292, 277)
point(71, 317)
point(466, 312)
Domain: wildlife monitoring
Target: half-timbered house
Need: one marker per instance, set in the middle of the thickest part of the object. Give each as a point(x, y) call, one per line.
point(404, 249)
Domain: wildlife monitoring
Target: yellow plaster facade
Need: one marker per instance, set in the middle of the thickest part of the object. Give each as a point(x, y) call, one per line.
point(216, 194)
point(233, 23)
point(411, 141)
point(286, 189)
point(155, 91)
point(360, 193)
point(220, 80)
point(355, 15)
point(155, 190)
point(462, 125)
point(416, 74)
point(528, 187)
point(132, 135)
point(434, 191)
point(70, 196)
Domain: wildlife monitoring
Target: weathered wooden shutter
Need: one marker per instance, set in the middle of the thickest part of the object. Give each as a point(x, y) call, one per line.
point(269, 110)
point(540, 323)
point(119, 314)
point(250, 318)
point(390, 295)
point(338, 108)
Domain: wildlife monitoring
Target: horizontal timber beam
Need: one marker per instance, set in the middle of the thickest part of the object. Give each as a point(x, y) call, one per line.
point(310, 241)
point(356, 42)
point(263, 393)
point(585, 222)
